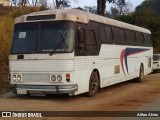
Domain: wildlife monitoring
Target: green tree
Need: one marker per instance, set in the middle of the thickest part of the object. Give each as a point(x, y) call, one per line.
point(121, 8)
point(91, 9)
point(101, 5)
point(153, 4)
point(148, 18)
point(25, 3)
point(59, 4)
point(114, 11)
point(21, 3)
point(43, 3)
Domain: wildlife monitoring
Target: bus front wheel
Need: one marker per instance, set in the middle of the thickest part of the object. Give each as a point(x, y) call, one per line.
point(93, 84)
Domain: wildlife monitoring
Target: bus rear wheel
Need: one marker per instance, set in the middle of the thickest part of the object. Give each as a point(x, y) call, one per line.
point(93, 84)
point(141, 74)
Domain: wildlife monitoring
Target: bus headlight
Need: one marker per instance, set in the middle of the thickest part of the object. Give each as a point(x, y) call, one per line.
point(14, 77)
point(19, 78)
point(59, 77)
point(53, 78)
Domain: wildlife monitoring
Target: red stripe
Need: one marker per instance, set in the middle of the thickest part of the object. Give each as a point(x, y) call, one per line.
point(122, 57)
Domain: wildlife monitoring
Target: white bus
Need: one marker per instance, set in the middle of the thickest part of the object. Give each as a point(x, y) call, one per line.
point(73, 52)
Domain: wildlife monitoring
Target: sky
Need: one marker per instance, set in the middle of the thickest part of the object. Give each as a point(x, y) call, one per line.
point(82, 3)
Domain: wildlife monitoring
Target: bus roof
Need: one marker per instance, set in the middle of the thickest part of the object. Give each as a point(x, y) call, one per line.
point(80, 16)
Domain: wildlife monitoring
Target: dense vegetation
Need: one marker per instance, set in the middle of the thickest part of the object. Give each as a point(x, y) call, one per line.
point(146, 15)
point(7, 17)
point(153, 4)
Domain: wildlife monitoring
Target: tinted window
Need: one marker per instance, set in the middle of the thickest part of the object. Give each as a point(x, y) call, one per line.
point(102, 34)
point(148, 39)
point(56, 36)
point(139, 38)
point(90, 38)
point(130, 37)
point(24, 38)
point(40, 17)
point(91, 44)
point(119, 36)
point(109, 34)
point(46, 36)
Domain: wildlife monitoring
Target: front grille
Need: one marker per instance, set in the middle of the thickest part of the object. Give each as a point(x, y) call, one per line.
point(35, 77)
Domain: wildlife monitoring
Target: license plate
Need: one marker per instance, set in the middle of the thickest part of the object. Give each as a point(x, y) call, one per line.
point(22, 92)
point(35, 92)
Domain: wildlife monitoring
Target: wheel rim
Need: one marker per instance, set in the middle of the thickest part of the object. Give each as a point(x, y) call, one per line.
point(93, 86)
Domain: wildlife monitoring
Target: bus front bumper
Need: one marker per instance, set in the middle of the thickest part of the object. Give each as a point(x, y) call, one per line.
point(44, 89)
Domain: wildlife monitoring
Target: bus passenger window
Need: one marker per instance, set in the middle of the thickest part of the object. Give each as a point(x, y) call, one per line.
point(90, 41)
point(102, 34)
point(148, 41)
point(130, 37)
point(109, 34)
point(139, 38)
point(119, 36)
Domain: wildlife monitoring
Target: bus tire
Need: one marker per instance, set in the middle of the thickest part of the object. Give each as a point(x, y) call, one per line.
point(93, 84)
point(141, 74)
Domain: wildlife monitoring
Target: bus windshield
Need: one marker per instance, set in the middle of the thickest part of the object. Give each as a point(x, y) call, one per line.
point(43, 37)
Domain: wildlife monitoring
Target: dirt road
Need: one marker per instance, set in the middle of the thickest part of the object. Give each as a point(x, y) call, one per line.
point(121, 97)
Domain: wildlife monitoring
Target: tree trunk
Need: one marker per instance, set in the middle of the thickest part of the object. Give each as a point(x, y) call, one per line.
point(101, 6)
point(35, 3)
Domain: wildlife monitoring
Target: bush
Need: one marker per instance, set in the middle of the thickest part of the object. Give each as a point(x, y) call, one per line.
point(6, 30)
point(7, 17)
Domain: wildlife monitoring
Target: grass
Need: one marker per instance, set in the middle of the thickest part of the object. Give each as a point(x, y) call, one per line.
point(4, 84)
point(6, 30)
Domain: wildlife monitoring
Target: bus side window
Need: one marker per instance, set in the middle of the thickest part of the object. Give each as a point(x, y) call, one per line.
point(140, 38)
point(148, 41)
point(130, 37)
point(109, 35)
point(119, 36)
point(102, 34)
point(90, 42)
